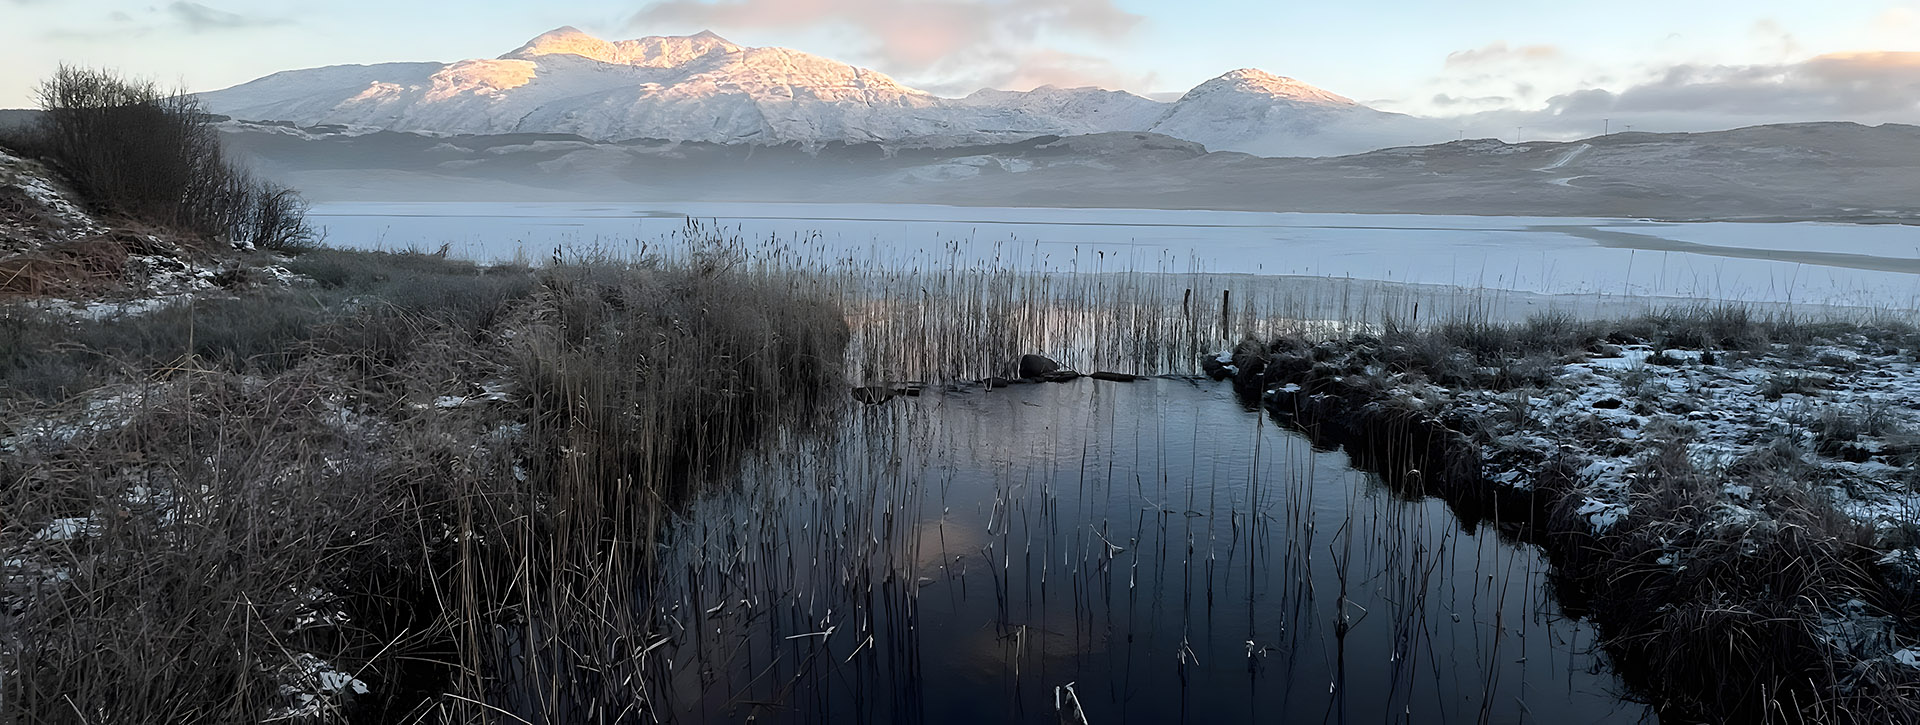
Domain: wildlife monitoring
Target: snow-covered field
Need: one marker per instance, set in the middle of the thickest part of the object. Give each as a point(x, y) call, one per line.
point(1525, 254)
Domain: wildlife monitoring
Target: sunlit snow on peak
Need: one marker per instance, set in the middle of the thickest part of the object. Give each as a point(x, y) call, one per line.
point(660, 51)
point(1259, 82)
point(704, 88)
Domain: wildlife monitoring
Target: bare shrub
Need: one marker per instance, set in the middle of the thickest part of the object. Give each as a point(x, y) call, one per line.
point(137, 152)
point(276, 219)
point(1791, 383)
point(1726, 326)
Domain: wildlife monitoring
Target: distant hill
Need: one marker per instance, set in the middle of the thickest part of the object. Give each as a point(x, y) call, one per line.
point(16, 118)
point(1838, 171)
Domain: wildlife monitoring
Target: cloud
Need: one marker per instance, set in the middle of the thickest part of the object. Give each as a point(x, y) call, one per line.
point(1772, 41)
point(1897, 22)
point(989, 42)
point(1447, 100)
point(174, 17)
point(1836, 86)
point(1043, 67)
point(200, 18)
point(1493, 76)
point(1863, 87)
point(1498, 53)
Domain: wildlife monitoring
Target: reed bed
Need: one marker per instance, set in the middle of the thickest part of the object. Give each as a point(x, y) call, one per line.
point(631, 486)
point(417, 500)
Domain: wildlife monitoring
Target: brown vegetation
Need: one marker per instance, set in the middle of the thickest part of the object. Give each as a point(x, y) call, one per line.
point(417, 475)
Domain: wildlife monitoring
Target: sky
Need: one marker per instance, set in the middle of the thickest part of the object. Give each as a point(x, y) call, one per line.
point(1666, 64)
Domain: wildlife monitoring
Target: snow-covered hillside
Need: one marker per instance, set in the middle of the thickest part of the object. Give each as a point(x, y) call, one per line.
point(706, 89)
point(1260, 113)
point(1071, 111)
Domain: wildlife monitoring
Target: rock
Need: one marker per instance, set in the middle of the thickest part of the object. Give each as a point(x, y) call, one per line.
point(1114, 377)
point(999, 382)
point(1061, 376)
point(1035, 366)
point(1609, 403)
point(1216, 368)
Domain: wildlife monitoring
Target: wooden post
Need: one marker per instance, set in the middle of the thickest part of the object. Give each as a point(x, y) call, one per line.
point(1226, 307)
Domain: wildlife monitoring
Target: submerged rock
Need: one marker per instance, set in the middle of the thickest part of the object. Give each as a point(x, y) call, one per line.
point(873, 395)
point(877, 394)
point(1114, 377)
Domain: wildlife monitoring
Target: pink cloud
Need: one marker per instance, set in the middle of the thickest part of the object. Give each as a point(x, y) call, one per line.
point(1499, 53)
point(947, 38)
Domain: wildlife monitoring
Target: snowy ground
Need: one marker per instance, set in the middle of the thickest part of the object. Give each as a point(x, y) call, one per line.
point(1848, 410)
point(1527, 254)
point(1837, 421)
point(38, 215)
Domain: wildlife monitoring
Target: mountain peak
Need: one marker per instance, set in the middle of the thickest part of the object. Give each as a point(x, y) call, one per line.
point(1258, 82)
point(564, 40)
point(651, 51)
point(560, 36)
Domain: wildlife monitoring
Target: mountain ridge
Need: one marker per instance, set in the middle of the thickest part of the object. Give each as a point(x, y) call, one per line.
point(705, 88)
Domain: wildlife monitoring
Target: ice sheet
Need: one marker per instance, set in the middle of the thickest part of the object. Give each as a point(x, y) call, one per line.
point(1526, 254)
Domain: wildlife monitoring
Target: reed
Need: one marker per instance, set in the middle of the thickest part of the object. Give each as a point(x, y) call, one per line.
point(630, 485)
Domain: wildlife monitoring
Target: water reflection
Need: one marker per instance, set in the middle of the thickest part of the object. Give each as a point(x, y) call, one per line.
point(1171, 556)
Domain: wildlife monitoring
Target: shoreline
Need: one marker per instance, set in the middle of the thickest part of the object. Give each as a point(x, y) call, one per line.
point(1626, 562)
point(1542, 213)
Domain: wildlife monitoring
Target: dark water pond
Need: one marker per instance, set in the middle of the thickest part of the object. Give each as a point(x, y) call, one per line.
point(1154, 550)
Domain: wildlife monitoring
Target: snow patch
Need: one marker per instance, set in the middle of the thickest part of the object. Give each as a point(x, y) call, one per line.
point(1602, 515)
point(1909, 656)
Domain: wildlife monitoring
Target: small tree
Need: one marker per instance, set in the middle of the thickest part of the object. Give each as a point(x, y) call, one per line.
point(156, 158)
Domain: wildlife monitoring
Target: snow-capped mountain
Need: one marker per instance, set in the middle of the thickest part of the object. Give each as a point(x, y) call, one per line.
point(1260, 113)
point(703, 88)
point(1071, 110)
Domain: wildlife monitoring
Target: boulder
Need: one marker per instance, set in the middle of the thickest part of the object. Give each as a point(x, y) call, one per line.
point(1036, 366)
